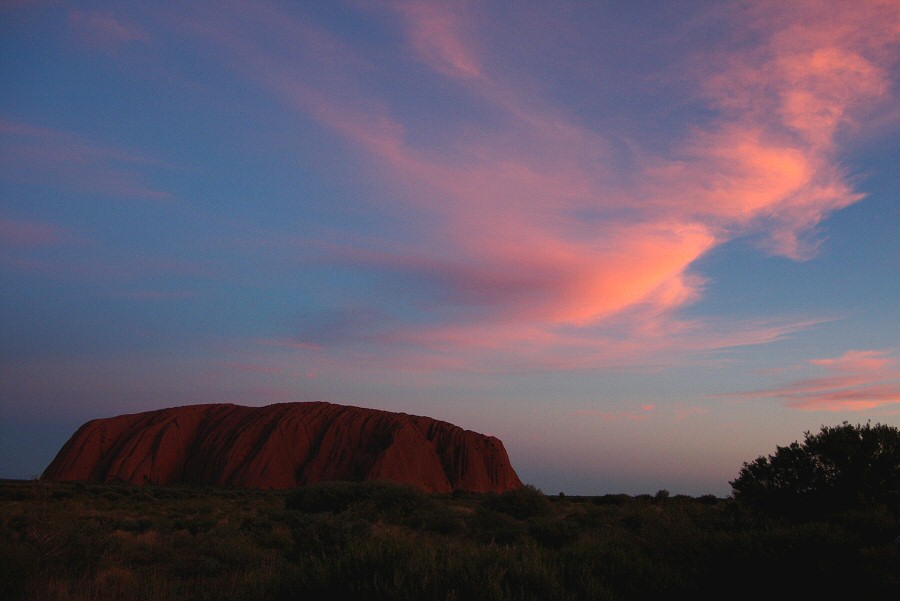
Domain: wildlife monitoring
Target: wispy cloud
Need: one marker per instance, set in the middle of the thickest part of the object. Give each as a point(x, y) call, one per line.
point(644, 413)
point(105, 30)
point(821, 67)
point(856, 380)
point(158, 295)
point(252, 368)
point(437, 35)
point(19, 233)
point(46, 250)
point(537, 234)
point(68, 161)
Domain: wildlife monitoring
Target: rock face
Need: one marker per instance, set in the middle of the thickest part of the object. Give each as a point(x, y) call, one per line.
point(283, 446)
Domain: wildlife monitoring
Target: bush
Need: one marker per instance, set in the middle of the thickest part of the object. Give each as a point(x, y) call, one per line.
point(612, 499)
point(841, 467)
point(493, 527)
point(521, 503)
point(552, 533)
point(333, 497)
point(374, 501)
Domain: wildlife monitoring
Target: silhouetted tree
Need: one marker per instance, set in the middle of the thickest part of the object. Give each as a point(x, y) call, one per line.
point(841, 467)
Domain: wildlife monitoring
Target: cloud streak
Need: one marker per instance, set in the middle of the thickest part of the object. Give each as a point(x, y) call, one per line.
point(105, 30)
point(66, 161)
point(538, 231)
point(19, 233)
point(855, 381)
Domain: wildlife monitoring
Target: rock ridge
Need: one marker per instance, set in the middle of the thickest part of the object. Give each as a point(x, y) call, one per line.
point(283, 446)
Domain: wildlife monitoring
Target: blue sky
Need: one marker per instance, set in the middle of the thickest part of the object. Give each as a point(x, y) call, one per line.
point(641, 244)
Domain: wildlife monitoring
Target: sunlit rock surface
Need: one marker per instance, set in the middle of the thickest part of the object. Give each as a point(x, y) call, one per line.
point(283, 446)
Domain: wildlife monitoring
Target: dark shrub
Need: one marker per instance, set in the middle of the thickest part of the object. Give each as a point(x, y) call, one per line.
point(394, 503)
point(334, 497)
point(841, 467)
point(618, 499)
point(18, 563)
point(520, 503)
point(373, 501)
point(327, 534)
point(492, 527)
point(552, 533)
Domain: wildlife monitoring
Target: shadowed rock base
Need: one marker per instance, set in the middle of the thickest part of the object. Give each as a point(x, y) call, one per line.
point(283, 446)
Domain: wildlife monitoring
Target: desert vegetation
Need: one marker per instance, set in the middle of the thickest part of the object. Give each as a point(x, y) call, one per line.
point(814, 519)
point(839, 468)
point(384, 541)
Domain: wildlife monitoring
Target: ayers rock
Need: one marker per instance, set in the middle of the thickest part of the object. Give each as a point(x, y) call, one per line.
point(283, 446)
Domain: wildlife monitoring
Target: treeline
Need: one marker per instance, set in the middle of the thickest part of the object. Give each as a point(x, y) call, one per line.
point(379, 541)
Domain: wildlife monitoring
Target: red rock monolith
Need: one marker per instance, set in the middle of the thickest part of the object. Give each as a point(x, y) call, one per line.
point(283, 446)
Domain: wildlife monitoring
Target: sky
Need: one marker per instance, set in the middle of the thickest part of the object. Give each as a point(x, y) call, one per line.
point(639, 242)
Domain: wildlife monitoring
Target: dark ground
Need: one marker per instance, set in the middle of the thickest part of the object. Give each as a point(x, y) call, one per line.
point(383, 541)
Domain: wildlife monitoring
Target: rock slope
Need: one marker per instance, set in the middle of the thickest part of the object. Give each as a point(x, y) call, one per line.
point(283, 446)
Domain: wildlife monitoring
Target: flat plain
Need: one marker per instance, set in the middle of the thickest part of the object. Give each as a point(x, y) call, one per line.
point(63, 541)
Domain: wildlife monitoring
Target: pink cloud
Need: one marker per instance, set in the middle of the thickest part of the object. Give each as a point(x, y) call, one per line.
point(858, 361)
point(502, 203)
point(288, 343)
point(62, 159)
point(436, 33)
point(21, 254)
point(739, 176)
point(822, 67)
point(252, 368)
point(158, 294)
point(613, 416)
point(644, 413)
point(30, 234)
point(105, 30)
point(498, 346)
point(683, 413)
point(854, 381)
